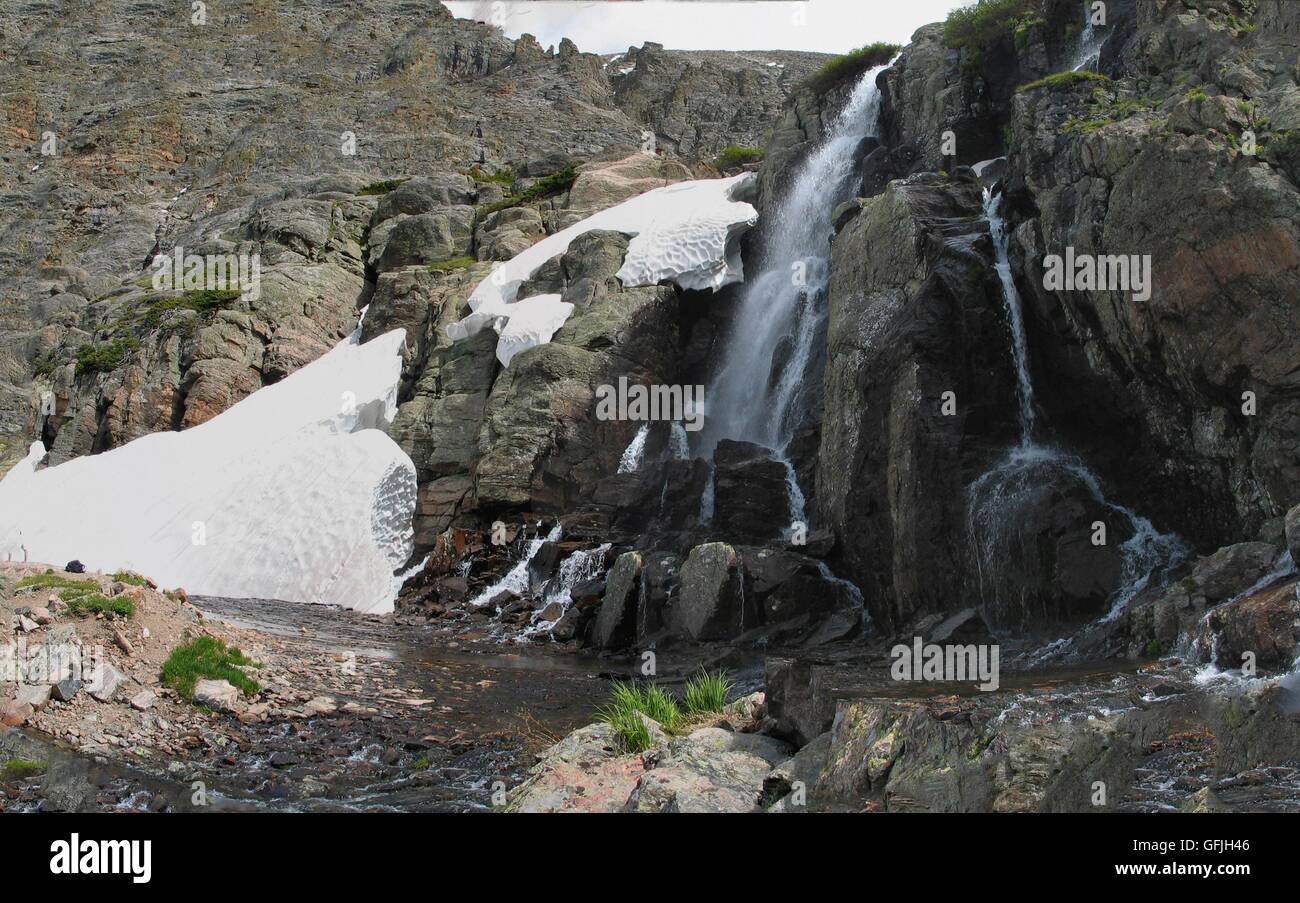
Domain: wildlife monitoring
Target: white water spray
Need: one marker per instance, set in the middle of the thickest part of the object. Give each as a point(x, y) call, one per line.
point(771, 349)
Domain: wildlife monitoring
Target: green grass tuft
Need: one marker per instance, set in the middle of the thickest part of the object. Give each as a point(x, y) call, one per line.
point(1062, 80)
point(736, 157)
point(54, 581)
point(984, 23)
point(381, 187)
point(129, 578)
point(84, 603)
point(101, 358)
point(851, 65)
point(17, 769)
point(453, 263)
point(630, 700)
point(546, 186)
point(707, 692)
point(206, 658)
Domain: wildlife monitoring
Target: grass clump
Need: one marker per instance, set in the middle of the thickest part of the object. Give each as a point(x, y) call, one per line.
point(83, 597)
point(546, 186)
point(54, 581)
point(736, 156)
point(628, 702)
point(95, 358)
point(17, 769)
point(707, 692)
point(1062, 80)
point(383, 186)
point(453, 263)
point(851, 64)
point(501, 176)
point(89, 603)
point(130, 579)
point(984, 23)
point(206, 658)
point(201, 301)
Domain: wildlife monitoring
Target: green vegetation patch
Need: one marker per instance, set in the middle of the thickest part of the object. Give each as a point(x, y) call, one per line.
point(204, 302)
point(1059, 81)
point(17, 769)
point(546, 186)
point(736, 157)
point(707, 693)
point(628, 701)
point(383, 186)
point(501, 176)
point(851, 65)
point(207, 658)
point(986, 22)
point(83, 597)
point(453, 263)
point(102, 357)
point(129, 578)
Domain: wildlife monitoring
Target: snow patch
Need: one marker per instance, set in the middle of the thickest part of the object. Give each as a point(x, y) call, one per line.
point(294, 493)
point(687, 233)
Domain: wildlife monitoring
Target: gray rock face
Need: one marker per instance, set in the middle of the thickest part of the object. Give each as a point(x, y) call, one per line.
point(1263, 627)
point(914, 313)
point(1293, 532)
point(751, 497)
point(218, 695)
point(711, 604)
point(711, 770)
point(430, 101)
point(615, 625)
point(1172, 430)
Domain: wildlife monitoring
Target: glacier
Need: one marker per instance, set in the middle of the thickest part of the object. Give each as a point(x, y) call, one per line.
point(294, 493)
point(687, 233)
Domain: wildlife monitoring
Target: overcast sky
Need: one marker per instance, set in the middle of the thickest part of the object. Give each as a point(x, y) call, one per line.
point(831, 26)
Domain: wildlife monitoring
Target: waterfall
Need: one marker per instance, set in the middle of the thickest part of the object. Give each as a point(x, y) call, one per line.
point(1090, 41)
point(771, 350)
point(1011, 303)
point(997, 497)
point(679, 443)
point(631, 460)
point(577, 568)
point(516, 580)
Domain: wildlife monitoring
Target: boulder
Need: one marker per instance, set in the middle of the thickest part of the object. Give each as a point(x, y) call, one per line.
point(710, 770)
point(584, 772)
point(428, 238)
point(37, 696)
point(616, 621)
point(1231, 570)
point(751, 495)
point(66, 690)
point(1293, 533)
point(218, 695)
point(104, 682)
point(711, 604)
point(14, 713)
point(1266, 624)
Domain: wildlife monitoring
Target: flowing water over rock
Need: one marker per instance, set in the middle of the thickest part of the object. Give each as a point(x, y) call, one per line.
point(772, 357)
point(1032, 473)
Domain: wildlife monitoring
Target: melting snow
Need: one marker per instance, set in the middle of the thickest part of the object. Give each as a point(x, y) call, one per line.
point(687, 232)
point(294, 493)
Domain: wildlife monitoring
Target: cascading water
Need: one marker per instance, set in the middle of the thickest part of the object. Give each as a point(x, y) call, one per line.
point(516, 579)
point(771, 352)
point(1088, 56)
point(997, 498)
point(577, 568)
point(630, 462)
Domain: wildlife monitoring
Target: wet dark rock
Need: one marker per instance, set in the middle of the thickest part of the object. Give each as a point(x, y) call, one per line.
point(712, 603)
point(751, 496)
point(1231, 570)
point(616, 620)
point(1265, 625)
